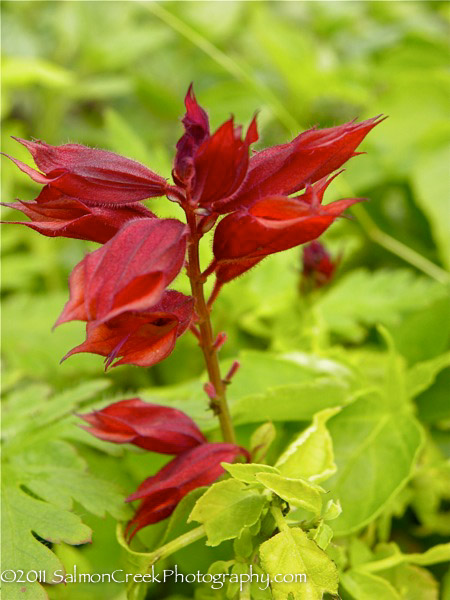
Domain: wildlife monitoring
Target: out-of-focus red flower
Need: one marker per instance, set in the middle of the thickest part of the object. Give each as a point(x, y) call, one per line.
point(153, 427)
point(270, 225)
point(318, 268)
point(287, 168)
point(211, 167)
point(72, 218)
point(194, 468)
point(97, 177)
point(141, 338)
point(129, 273)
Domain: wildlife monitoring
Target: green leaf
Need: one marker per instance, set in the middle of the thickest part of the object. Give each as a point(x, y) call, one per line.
point(226, 509)
point(430, 178)
point(291, 553)
point(261, 440)
point(22, 515)
point(297, 492)
point(368, 435)
point(268, 387)
point(364, 586)
point(422, 375)
point(412, 582)
point(310, 455)
point(322, 535)
point(247, 472)
point(43, 476)
point(362, 299)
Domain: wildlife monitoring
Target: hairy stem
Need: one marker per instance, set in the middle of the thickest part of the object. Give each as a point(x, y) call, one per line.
point(206, 339)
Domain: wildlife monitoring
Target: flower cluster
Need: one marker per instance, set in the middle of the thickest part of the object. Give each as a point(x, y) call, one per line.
point(120, 289)
point(166, 431)
point(262, 203)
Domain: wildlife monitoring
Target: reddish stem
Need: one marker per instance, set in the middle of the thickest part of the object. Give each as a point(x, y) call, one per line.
point(206, 339)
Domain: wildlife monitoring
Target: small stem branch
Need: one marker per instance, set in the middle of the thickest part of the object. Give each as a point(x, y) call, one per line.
point(219, 403)
point(177, 544)
point(279, 519)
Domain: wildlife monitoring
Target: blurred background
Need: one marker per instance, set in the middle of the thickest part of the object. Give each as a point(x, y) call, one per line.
point(114, 75)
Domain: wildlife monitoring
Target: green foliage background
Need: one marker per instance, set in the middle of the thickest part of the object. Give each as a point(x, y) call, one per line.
point(114, 75)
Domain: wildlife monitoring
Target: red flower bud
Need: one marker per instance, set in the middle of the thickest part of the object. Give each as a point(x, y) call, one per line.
point(150, 426)
point(72, 218)
point(194, 468)
point(317, 264)
point(139, 338)
point(98, 177)
point(130, 272)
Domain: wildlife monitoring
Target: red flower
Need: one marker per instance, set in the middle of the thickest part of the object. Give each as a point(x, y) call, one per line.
point(150, 426)
point(97, 177)
point(162, 492)
point(272, 224)
point(318, 268)
point(72, 218)
point(287, 168)
point(211, 167)
point(141, 338)
point(129, 273)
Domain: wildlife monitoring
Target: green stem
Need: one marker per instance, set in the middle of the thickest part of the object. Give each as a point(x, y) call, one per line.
point(177, 544)
point(279, 519)
point(381, 565)
point(388, 242)
point(206, 339)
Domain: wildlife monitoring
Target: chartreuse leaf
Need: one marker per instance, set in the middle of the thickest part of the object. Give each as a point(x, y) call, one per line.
point(436, 554)
point(310, 455)
point(361, 299)
point(423, 374)
point(368, 435)
point(365, 586)
point(261, 441)
point(247, 472)
point(226, 509)
point(322, 535)
point(376, 430)
point(297, 492)
point(291, 553)
point(413, 583)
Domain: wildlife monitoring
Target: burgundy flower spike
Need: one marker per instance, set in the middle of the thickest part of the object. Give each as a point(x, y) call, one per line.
point(264, 202)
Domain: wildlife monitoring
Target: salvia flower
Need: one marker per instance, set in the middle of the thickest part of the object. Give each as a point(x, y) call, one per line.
point(97, 177)
point(288, 168)
point(72, 218)
point(130, 272)
point(153, 427)
point(142, 338)
point(272, 224)
point(194, 468)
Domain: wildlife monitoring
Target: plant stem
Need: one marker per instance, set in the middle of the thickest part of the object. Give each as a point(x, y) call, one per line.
point(180, 542)
point(206, 340)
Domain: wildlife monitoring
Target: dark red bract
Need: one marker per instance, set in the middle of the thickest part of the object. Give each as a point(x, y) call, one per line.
point(150, 426)
point(72, 218)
